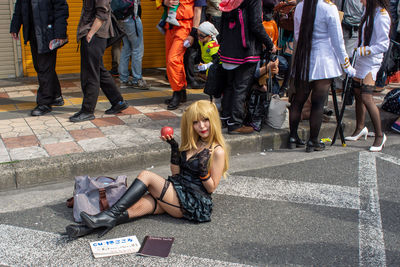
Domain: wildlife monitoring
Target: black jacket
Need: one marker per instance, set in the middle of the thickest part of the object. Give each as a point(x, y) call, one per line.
point(49, 19)
point(242, 34)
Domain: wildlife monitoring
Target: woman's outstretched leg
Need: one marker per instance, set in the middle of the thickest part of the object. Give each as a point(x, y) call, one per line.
point(162, 192)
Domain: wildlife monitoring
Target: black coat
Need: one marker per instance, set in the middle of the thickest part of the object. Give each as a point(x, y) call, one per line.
point(49, 19)
point(242, 34)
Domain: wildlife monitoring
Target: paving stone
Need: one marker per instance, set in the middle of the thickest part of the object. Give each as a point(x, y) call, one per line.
point(97, 144)
point(129, 111)
point(150, 108)
point(108, 121)
point(4, 95)
point(20, 94)
point(134, 119)
point(24, 153)
point(4, 156)
point(63, 148)
point(21, 141)
point(131, 139)
point(88, 133)
point(53, 135)
point(117, 130)
point(162, 115)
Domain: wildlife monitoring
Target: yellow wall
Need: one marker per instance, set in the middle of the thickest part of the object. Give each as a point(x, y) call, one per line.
point(68, 58)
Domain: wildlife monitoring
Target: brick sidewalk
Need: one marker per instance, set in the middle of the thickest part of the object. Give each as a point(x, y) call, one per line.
point(25, 137)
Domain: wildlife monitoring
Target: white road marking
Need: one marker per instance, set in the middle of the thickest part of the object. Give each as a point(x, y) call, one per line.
point(292, 191)
point(27, 247)
point(371, 242)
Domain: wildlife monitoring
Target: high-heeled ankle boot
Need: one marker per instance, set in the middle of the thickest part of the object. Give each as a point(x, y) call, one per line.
point(108, 218)
point(79, 230)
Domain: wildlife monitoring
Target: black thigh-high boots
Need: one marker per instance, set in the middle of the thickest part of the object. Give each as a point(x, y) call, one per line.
point(108, 218)
point(79, 230)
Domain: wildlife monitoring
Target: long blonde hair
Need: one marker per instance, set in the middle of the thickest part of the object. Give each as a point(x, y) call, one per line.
point(203, 109)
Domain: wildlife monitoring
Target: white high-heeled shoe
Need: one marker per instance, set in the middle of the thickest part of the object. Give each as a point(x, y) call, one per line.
point(364, 132)
point(378, 148)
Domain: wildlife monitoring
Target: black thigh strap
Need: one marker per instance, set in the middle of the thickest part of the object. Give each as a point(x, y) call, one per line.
point(367, 89)
point(164, 190)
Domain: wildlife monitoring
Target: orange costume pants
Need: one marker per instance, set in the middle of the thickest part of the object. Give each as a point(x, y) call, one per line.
point(175, 51)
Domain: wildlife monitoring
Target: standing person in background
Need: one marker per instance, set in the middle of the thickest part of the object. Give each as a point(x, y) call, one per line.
point(213, 14)
point(43, 21)
point(352, 13)
point(373, 42)
point(177, 39)
point(115, 56)
point(242, 39)
point(132, 48)
point(93, 30)
point(317, 30)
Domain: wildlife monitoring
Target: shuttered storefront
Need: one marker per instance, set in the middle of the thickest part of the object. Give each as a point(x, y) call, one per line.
point(68, 58)
point(8, 47)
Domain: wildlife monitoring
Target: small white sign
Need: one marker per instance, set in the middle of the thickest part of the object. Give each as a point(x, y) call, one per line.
point(117, 246)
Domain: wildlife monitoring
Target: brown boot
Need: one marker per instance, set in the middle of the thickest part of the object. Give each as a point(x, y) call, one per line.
point(242, 130)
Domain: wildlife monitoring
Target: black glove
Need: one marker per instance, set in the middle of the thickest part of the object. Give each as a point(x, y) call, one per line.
point(204, 156)
point(175, 153)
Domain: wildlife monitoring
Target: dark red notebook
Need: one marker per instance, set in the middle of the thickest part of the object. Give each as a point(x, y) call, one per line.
point(156, 246)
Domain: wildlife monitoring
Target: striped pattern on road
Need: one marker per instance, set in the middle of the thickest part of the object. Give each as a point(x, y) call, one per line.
point(27, 247)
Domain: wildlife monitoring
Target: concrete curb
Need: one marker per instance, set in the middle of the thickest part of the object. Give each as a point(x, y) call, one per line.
point(33, 172)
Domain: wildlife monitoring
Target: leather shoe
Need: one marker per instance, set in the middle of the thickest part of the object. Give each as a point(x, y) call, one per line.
point(242, 130)
point(183, 97)
point(117, 108)
point(175, 101)
point(314, 146)
point(295, 142)
point(40, 110)
point(81, 116)
point(58, 101)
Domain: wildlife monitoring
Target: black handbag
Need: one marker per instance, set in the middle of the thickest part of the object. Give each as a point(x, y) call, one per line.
point(118, 32)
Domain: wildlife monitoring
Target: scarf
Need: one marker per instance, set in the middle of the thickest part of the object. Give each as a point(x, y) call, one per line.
point(229, 5)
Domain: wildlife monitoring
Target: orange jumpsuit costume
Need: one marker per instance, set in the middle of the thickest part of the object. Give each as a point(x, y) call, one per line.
point(174, 49)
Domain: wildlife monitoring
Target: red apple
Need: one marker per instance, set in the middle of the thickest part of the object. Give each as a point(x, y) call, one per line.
point(166, 130)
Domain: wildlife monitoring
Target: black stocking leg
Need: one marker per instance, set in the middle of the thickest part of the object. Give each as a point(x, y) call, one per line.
point(366, 95)
point(296, 107)
point(320, 90)
point(360, 108)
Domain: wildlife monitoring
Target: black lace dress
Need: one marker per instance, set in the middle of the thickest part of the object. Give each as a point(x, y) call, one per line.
point(196, 202)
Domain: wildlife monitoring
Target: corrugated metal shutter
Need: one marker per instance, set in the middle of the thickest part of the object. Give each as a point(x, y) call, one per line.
point(8, 47)
point(68, 58)
point(154, 42)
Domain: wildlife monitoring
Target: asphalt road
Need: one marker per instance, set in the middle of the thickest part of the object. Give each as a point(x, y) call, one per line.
point(339, 207)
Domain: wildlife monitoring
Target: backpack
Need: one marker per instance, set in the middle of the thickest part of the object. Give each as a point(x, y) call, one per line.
point(121, 8)
point(95, 194)
point(284, 15)
point(391, 102)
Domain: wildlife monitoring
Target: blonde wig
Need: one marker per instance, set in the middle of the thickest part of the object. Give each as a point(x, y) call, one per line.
point(203, 109)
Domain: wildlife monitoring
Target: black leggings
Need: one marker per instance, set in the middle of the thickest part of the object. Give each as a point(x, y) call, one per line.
point(319, 89)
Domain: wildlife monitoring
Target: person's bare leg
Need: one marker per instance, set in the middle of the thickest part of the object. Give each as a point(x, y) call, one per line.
point(155, 184)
